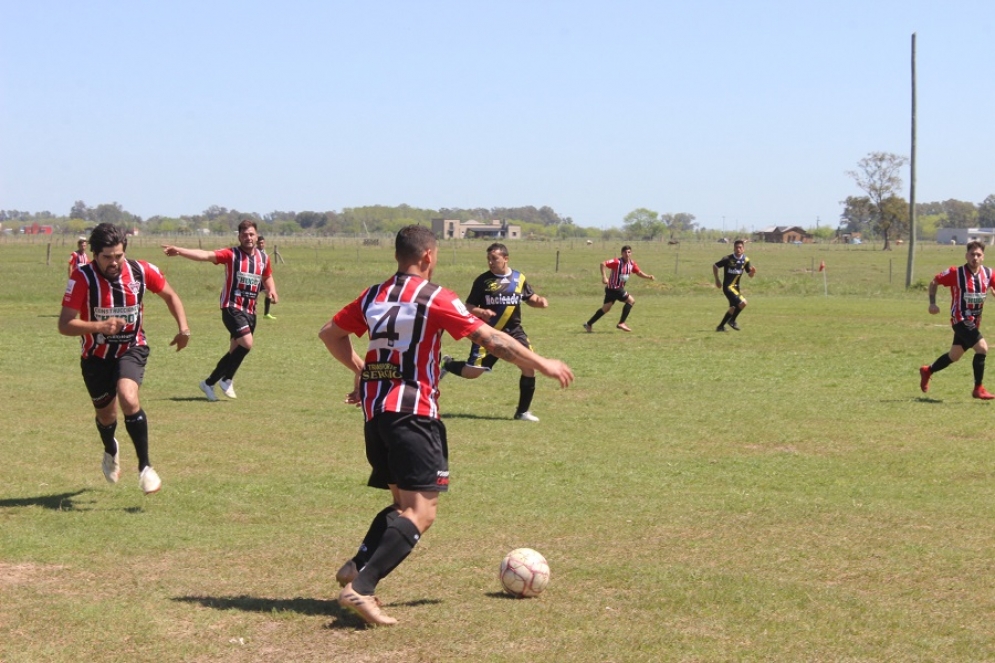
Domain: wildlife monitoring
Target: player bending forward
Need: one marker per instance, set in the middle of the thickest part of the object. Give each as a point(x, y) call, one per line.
point(397, 387)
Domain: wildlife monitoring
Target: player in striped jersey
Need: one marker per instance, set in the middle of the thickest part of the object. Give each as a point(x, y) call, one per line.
point(969, 285)
point(397, 385)
point(496, 297)
point(78, 257)
point(247, 271)
point(104, 305)
point(620, 269)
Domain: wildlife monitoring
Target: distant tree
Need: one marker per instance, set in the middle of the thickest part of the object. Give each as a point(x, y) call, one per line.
point(960, 214)
point(311, 220)
point(110, 213)
point(858, 213)
point(877, 175)
point(79, 211)
point(893, 218)
point(986, 212)
point(678, 223)
point(643, 223)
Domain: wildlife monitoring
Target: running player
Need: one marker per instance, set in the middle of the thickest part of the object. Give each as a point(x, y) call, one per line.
point(397, 387)
point(969, 285)
point(734, 265)
point(247, 271)
point(620, 269)
point(104, 305)
point(496, 297)
point(78, 257)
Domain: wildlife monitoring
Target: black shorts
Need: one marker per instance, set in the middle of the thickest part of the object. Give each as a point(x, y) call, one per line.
point(238, 322)
point(612, 295)
point(966, 337)
point(101, 375)
point(481, 359)
point(733, 295)
point(407, 451)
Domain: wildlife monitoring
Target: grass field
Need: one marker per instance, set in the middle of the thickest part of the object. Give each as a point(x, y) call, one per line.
point(784, 493)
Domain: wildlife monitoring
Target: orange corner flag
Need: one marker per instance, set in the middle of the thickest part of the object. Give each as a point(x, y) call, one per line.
point(822, 266)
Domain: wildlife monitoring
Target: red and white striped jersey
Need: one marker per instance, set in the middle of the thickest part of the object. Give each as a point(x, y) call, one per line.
point(244, 277)
point(620, 267)
point(76, 259)
point(967, 292)
point(404, 317)
point(96, 298)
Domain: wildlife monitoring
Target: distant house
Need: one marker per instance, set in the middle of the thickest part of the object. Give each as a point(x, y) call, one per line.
point(783, 235)
point(455, 229)
point(36, 229)
point(965, 235)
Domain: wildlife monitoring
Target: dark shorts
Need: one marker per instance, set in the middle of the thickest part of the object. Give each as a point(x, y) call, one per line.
point(966, 337)
point(407, 451)
point(238, 322)
point(101, 375)
point(733, 295)
point(481, 359)
point(612, 295)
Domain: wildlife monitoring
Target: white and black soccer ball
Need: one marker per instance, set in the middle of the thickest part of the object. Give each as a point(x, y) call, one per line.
point(524, 573)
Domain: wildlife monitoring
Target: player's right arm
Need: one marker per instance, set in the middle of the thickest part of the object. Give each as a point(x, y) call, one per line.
point(505, 347)
point(70, 325)
point(336, 340)
point(198, 255)
point(933, 308)
point(715, 273)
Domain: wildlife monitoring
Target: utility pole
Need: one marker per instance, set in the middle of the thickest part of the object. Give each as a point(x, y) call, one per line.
point(912, 177)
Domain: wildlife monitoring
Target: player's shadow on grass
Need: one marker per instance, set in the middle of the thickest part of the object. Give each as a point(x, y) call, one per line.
point(187, 399)
point(299, 605)
point(467, 415)
point(57, 502)
point(924, 399)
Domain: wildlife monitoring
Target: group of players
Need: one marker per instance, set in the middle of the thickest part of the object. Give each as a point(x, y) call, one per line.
point(396, 380)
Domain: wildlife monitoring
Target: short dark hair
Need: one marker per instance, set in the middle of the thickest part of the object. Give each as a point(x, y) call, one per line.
point(976, 245)
point(105, 235)
point(739, 242)
point(412, 241)
point(246, 224)
point(498, 246)
point(625, 248)
point(260, 239)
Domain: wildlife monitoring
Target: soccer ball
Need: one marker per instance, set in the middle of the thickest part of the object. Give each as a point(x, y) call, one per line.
point(524, 573)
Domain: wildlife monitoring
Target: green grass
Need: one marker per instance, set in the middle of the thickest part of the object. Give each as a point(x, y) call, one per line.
point(782, 493)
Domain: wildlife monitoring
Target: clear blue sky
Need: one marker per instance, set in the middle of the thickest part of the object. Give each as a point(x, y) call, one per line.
point(742, 113)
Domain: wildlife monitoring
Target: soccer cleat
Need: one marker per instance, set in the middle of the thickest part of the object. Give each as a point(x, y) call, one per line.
point(227, 388)
point(110, 466)
point(982, 393)
point(720, 328)
point(270, 316)
point(732, 323)
point(924, 375)
point(624, 327)
point(208, 391)
point(149, 481)
point(367, 607)
point(588, 328)
point(442, 364)
point(525, 416)
point(347, 573)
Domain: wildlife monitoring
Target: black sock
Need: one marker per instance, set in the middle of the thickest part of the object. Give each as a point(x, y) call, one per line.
point(266, 312)
point(625, 313)
point(526, 390)
point(107, 436)
point(594, 318)
point(979, 369)
point(941, 362)
point(725, 319)
point(237, 355)
point(373, 536)
point(735, 314)
point(220, 370)
point(396, 544)
point(138, 429)
point(455, 367)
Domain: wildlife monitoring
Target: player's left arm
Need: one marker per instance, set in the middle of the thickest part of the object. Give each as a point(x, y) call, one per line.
point(269, 285)
point(644, 275)
point(535, 301)
point(175, 306)
point(751, 270)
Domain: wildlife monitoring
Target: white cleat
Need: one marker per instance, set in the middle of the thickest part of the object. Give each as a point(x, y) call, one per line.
point(526, 416)
point(111, 466)
point(208, 391)
point(227, 388)
point(149, 481)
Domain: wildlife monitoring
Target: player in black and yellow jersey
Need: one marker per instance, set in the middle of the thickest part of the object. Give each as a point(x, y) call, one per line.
point(735, 265)
point(496, 298)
